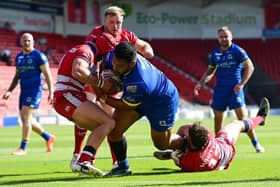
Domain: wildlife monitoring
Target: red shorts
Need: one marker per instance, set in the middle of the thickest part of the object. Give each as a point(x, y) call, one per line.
point(66, 102)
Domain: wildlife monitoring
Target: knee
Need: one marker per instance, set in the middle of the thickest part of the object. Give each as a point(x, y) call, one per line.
point(112, 124)
point(161, 145)
point(115, 135)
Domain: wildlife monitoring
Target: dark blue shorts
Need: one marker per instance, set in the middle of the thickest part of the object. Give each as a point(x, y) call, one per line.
point(31, 99)
point(162, 116)
point(224, 97)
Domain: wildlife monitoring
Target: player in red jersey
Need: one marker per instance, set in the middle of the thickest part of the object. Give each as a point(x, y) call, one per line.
point(203, 151)
point(71, 102)
point(110, 33)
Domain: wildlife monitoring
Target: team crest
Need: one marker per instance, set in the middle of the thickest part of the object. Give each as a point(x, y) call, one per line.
point(162, 123)
point(131, 89)
point(29, 61)
point(238, 99)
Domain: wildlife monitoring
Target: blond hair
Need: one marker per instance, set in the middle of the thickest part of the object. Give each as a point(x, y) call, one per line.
point(114, 11)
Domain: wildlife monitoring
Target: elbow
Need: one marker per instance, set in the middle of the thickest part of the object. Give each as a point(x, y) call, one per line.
point(253, 69)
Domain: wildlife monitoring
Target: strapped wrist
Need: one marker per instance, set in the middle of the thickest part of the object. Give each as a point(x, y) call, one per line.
point(103, 99)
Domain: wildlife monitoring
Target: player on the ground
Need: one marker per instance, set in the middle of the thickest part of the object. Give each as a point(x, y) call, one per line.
point(110, 33)
point(71, 102)
point(229, 61)
point(146, 92)
point(203, 151)
point(30, 64)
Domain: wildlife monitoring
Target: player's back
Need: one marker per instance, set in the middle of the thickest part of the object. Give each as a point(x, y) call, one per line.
point(205, 159)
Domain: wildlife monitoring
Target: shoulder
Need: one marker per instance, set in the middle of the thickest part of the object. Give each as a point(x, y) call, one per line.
point(237, 48)
point(131, 35)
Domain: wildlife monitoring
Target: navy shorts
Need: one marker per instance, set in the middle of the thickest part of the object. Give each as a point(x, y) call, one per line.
point(224, 97)
point(30, 99)
point(162, 116)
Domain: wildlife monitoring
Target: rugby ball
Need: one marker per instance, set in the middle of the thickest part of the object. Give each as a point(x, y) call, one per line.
point(111, 84)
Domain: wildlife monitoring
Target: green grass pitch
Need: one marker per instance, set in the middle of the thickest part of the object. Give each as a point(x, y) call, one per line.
point(39, 168)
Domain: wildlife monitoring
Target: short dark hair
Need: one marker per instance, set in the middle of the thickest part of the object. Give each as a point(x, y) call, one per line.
point(199, 135)
point(125, 51)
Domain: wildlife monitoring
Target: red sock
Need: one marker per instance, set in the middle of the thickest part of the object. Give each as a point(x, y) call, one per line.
point(80, 134)
point(114, 159)
point(86, 157)
point(88, 154)
point(255, 121)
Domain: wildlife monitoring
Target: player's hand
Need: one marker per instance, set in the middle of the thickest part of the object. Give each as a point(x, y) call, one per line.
point(237, 88)
point(6, 95)
point(176, 158)
point(106, 74)
point(196, 89)
point(50, 98)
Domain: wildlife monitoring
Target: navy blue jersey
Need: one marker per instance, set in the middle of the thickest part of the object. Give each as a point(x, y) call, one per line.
point(28, 66)
point(150, 91)
point(229, 64)
point(145, 85)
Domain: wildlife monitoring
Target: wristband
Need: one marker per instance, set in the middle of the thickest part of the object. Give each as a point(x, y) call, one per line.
point(103, 100)
point(100, 83)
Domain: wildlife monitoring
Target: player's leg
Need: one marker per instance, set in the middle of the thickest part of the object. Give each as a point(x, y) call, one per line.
point(241, 113)
point(219, 106)
point(87, 115)
point(91, 117)
point(79, 136)
point(218, 120)
point(234, 128)
point(178, 144)
point(49, 138)
point(26, 117)
point(124, 119)
point(162, 120)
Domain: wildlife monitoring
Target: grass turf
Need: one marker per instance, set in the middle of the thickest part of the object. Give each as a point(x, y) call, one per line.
point(39, 168)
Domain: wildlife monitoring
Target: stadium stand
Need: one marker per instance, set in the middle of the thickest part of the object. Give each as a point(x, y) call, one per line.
point(183, 60)
point(10, 107)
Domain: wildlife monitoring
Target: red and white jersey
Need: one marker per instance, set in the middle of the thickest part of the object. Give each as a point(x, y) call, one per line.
point(97, 36)
point(65, 80)
point(215, 155)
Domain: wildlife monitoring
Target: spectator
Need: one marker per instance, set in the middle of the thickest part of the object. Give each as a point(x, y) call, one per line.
point(42, 45)
point(5, 56)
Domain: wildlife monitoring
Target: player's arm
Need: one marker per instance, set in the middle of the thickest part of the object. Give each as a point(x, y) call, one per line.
point(45, 68)
point(82, 72)
point(207, 76)
point(12, 85)
point(118, 103)
point(248, 71)
point(144, 48)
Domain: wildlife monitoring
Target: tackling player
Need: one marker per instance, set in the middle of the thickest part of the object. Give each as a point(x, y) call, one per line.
point(203, 151)
point(30, 64)
point(229, 60)
point(72, 103)
point(146, 92)
point(110, 33)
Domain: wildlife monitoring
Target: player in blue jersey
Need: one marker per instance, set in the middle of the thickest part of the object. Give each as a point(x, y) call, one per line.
point(229, 60)
point(146, 92)
point(30, 64)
